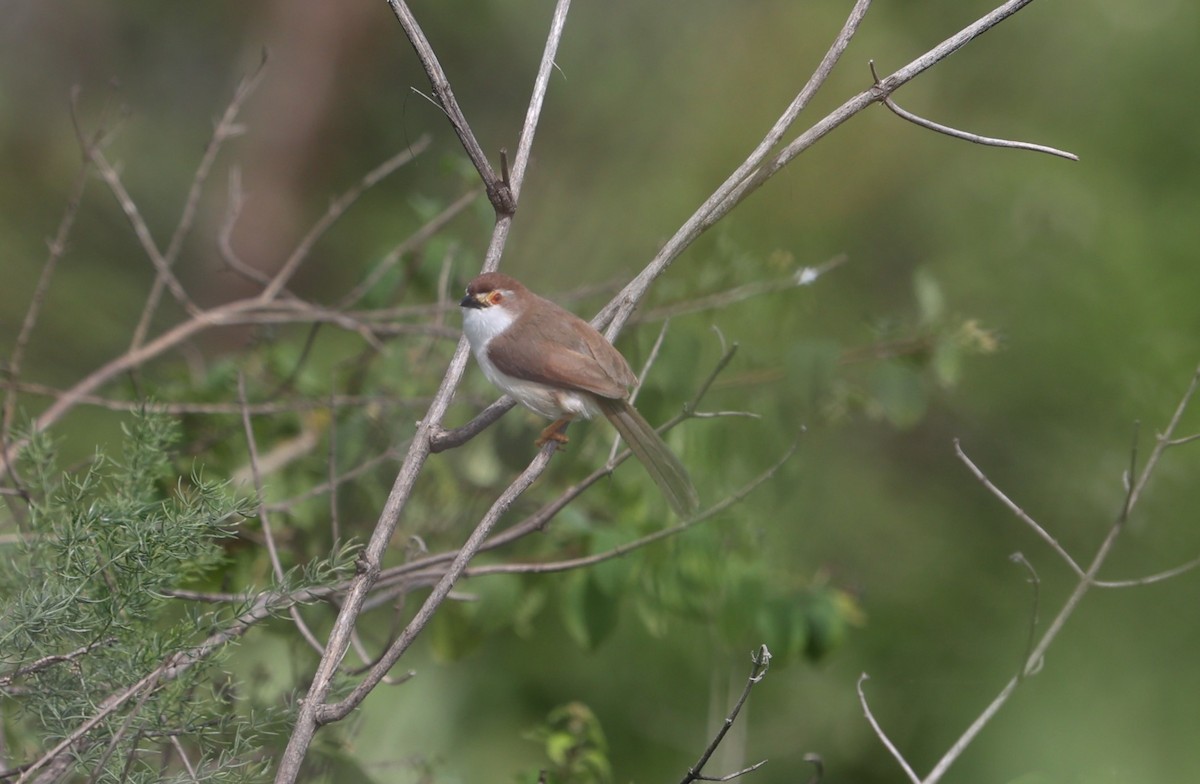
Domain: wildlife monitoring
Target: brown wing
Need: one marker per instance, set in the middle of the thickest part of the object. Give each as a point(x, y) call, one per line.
point(560, 349)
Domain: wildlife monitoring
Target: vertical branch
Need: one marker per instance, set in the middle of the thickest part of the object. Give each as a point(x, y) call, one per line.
point(313, 706)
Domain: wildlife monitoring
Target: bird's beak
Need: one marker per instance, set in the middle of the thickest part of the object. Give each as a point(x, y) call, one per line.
point(470, 301)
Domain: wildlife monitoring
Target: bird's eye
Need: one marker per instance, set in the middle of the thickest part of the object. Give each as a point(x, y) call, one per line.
point(495, 297)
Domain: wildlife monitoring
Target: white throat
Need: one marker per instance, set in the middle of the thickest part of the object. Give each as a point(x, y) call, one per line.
point(480, 325)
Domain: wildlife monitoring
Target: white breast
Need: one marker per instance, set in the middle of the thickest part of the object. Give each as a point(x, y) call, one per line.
point(480, 325)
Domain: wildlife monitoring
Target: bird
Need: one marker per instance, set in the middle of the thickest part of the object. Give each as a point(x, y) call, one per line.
point(558, 366)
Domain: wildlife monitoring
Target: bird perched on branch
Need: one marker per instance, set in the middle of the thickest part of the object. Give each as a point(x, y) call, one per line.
point(557, 365)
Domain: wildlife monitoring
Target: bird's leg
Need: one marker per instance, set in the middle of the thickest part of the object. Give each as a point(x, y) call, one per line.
point(554, 432)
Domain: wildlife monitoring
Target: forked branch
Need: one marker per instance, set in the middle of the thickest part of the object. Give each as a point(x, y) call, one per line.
point(1035, 654)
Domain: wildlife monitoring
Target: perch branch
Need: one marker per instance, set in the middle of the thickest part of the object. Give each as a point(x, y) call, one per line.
point(313, 709)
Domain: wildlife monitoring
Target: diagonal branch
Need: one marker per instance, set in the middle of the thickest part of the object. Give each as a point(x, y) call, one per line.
point(337, 208)
point(339, 710)
point(761, 662)
point(721, 201)
point(975, 138)
point(1085, 582)
point(226, 128)
point(499, 191)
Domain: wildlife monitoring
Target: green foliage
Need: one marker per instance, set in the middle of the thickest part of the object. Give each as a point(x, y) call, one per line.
point(87, 614)
point(575, 748)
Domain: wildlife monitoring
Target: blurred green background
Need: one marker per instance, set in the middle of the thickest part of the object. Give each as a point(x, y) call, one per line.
point(1085, 273)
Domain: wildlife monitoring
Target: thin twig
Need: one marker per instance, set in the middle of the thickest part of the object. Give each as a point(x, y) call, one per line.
point(226, 128)
point(183, 757)
point(1085, 582)
point(265, 519)
point(236, 200)
point(805, 276)
point(290, 406)
point(48, 661)
point(1024, 670)
point(621, 550)
point(760, 663)
point(642, 376)
point(498, 191)
point(965, 135)
point(414, 241)
point(1042, 533)
point(336, 209)
point(1149, 579)
point(140, 229)
point(879, 733)
point(1164, 440)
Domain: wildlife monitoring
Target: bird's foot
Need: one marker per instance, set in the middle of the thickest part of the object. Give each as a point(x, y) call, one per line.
point(554, 432)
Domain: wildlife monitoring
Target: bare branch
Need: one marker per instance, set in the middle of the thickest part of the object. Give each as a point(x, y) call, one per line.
point(966, 136)
point(264, 519)
point(879, 733)
point(337, 208)
point(501, 196)
point(226, 128)
point(760, 663)
point(735, 187)
point(1085, 582)
point(1018, 511)
point(339, 710)
point(417, 239)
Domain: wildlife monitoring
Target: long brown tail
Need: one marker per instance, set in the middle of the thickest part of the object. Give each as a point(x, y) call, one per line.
point(662, 465)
